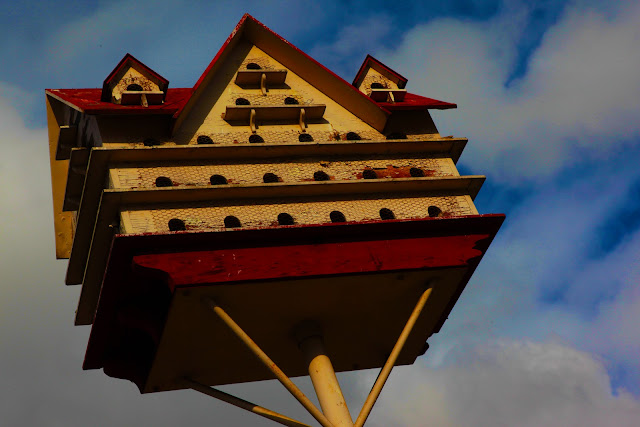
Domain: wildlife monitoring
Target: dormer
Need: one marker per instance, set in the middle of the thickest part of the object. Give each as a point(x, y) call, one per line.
point(380, 82)
point(133, 83)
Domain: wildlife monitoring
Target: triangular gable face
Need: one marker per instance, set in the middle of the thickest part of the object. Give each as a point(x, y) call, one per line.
point(133, 83)
point(330, 105)
point(373, 74)
point(256, 98)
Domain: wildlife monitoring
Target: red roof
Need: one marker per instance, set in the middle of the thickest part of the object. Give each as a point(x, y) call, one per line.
point(89, 101)
point(416, 102)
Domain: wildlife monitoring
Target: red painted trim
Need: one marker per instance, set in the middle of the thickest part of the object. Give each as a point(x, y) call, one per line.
point(416, 102)
point(97, 101)
point(89, 101)
point(144, 270)
point(299, 234)
point(370, 60)
point(128, 58)
point(312, 260)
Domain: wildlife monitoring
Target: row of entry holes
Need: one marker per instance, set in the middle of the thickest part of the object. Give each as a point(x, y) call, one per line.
point(303, 137)
point(288, 101)
point(253, 139)
point(163, 181)
point(284, 218)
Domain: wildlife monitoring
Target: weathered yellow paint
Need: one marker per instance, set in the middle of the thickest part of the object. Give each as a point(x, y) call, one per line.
point(62, 221)
point(132, 76)
point(206, 117)
point(264, 213)
point(373, 76)
point(188, 173)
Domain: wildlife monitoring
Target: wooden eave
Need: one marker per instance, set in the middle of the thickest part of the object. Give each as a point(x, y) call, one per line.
point(91, 206)
point(102, 157)
point(52, 94)
point(93, 260)
point(456, 231)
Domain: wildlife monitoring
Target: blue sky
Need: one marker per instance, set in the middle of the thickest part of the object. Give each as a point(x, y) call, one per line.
point(546, 332)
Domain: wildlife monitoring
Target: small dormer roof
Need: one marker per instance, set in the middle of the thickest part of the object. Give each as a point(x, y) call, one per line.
point(126, 63)
point(371, 62)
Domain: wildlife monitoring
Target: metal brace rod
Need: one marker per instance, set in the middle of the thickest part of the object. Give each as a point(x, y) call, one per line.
point(393, 357)
point(263, 84)
point(252, 120)
point(303, 120)
point(243, 404)
point(392, 99)
point(268, 363)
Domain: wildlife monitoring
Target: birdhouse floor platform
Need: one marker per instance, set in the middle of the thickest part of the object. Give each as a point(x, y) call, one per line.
point(358, 282)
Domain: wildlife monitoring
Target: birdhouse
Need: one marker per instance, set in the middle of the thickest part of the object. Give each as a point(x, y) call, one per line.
point(271, 221)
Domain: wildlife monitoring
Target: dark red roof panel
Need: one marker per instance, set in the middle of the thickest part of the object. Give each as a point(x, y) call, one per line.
point(89, 101)
point(416, 102)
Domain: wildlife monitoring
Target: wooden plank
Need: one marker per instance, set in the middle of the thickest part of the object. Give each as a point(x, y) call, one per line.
point(273, 112)
point(67, 138)
point(252, 77)
point(382, 95)
point(131, 97)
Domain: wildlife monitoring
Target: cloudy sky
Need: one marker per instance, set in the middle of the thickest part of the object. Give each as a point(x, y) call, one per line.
point(549, 96)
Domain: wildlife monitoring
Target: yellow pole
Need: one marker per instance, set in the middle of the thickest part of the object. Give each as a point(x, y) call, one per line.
point(325, 382)
point(388, 366)
point(268, 363)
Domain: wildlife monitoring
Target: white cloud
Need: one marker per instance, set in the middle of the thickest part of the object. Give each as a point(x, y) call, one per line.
point(508, 383)
point(578, 97)
point(352, 43)
point(530, 129)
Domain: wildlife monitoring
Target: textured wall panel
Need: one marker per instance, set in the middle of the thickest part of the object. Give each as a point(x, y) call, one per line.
point(264, 213)
point(185, 174)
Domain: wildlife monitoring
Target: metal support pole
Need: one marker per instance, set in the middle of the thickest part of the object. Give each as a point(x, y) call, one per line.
point(325, 382)
point(393, 357)
point(268, 363)
point(243, 404)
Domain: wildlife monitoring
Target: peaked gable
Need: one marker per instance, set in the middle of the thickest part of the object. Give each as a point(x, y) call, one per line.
point(375, 71)
point(254, 95)
point(132, 75)
point(252, 32)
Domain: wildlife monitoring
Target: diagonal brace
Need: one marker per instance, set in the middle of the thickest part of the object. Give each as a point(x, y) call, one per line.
point(268, 363)
point(243, 404)
point(393, 357)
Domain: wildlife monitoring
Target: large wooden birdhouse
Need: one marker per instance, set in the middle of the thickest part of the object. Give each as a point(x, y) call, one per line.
point(272, 215)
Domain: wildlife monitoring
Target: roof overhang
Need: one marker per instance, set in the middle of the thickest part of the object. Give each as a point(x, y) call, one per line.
point(89, 254)
point(368, 278)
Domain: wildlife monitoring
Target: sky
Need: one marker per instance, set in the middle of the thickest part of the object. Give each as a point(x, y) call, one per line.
point(546, 332)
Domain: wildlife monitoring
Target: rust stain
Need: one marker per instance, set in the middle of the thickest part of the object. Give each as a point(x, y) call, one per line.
point(392, 171)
